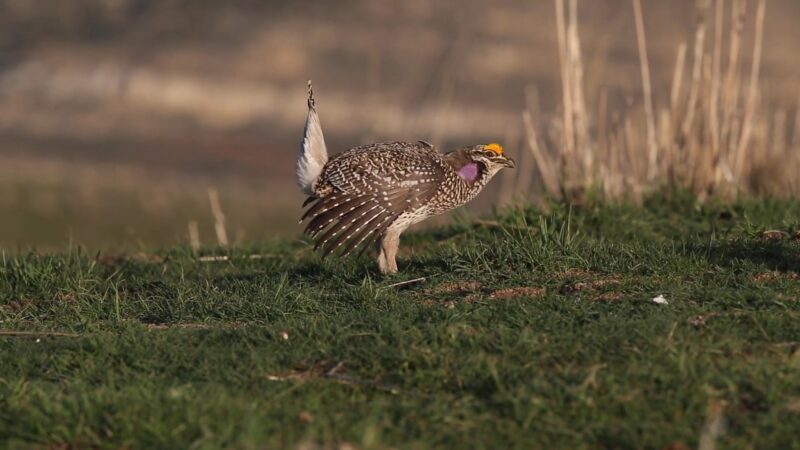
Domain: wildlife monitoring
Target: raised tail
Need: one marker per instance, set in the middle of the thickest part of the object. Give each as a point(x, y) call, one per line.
point(313, 152)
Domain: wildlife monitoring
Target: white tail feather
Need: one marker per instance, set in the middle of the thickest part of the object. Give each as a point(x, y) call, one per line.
point(313, 152)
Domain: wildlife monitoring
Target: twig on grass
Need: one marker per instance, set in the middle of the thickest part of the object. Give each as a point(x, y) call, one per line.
point(405, 283)
point(715, 424)
point(334, 373)
point(218, 258)
point(11, 333)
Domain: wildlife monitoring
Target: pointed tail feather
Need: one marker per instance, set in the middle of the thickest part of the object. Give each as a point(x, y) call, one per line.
point(313, 152)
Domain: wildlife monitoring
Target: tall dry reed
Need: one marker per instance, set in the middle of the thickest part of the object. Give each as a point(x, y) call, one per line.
point(713, 138)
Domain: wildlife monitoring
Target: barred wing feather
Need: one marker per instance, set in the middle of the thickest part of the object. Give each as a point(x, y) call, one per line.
point(369, 196)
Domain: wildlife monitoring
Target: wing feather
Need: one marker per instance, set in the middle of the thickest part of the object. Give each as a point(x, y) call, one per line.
point(367, 223)
point(371, 188)
point(337, 212)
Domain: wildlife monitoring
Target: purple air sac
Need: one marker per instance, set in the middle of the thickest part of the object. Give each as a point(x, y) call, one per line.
point(469, 172)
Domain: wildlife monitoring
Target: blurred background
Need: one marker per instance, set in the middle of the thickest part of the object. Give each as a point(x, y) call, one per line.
point(130, 124)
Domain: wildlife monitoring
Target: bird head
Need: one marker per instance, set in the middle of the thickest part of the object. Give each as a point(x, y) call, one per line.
point(492, 156)
point(477, 164)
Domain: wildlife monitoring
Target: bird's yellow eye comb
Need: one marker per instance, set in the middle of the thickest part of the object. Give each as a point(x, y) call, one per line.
point(494, 147)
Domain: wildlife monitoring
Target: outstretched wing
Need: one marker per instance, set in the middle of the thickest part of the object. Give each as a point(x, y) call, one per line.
point(372, 187)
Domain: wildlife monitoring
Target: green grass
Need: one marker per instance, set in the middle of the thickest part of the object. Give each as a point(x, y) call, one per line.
point(288, 349)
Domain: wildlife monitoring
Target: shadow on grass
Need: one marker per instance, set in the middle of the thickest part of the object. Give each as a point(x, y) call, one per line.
point(777, 256)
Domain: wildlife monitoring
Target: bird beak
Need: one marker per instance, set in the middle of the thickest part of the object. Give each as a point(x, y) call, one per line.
point(510, 163)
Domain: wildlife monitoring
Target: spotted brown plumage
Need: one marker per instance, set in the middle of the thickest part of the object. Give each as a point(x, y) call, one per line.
point(372, 193)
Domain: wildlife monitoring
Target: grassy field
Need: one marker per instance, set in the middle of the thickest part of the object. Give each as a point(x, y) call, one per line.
point(531, 330)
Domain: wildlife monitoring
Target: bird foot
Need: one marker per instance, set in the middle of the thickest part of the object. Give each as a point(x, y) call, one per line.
point(387, 264)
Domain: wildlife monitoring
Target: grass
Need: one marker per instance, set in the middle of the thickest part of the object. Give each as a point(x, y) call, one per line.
point(532, 330)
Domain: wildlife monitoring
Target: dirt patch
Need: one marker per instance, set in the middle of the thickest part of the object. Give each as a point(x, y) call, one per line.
point(461, 330)
point(317, 370)
point(793, 405)
point(571, 288)
point(66, 297)
point(505, 294)
point(116, 260)
point(766, 277)
point(575, 273)
point(18, 305)
point(430, 302)
point(676, 446)
point(331, 371)
point(774, 235)
point(192, 326)
point(701, 320)
point(167, 326)
point(22, 304)
point(606, 297)
point(457, 287)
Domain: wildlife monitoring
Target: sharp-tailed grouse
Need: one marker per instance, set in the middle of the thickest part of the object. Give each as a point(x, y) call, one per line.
point(372, 193)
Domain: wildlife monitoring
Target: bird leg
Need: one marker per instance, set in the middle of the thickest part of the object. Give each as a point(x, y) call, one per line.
point(388, 252)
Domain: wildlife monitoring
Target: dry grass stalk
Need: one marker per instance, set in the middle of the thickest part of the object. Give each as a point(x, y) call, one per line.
point(511, 181)
point(576, 156)
point(527, 162)
point(582, 140)
point(566, 83)
point(730, 121)
point(694, 92)
point(652, 146)
point(194, 236)
point(677, 80)
point(712, 138)
point(752, 95)
point(796, 129)
point(715, 425)
point(547, 169)
point(219, 217)
point(405, 283)
point(716, 79)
